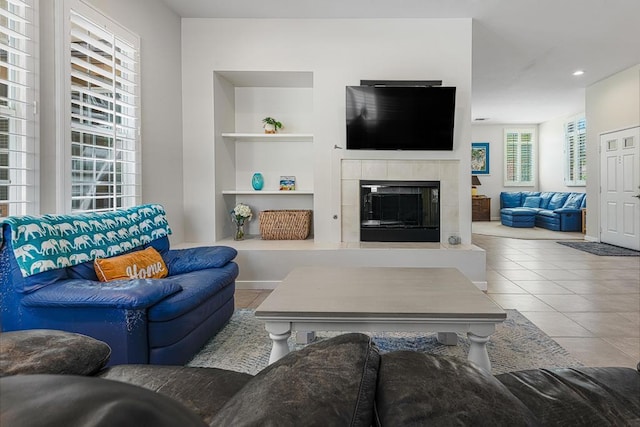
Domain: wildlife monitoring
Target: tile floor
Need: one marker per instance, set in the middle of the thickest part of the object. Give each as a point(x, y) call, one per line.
point(589, 304)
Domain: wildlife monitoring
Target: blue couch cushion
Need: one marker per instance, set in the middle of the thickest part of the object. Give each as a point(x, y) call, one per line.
point(518, 211)
point(197, 286)
point(531, 202)
point(557, 201)
point(37, 281)
point(181, 261)
point(548, 213)
point(161, 245)
point(84, 271)
point(526, 194)
point(574, 201)
point(123, 294)
point(545, 197)
point(510, 199)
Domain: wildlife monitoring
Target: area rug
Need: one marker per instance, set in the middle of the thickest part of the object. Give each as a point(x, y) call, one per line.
point(496, 229)
point(243, 345)
point(601, 249)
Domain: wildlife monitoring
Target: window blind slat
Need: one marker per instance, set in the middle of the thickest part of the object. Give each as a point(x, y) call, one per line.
point(104, 84)
point(18, 160)
point(575, 152)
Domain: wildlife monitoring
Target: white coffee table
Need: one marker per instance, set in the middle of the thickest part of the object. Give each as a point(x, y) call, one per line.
point(370, 299)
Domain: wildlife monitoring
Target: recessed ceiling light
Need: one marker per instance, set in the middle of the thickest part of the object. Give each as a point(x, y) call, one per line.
point(578, 73)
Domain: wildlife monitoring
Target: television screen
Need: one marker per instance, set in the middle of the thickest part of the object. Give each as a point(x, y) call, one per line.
point(400, 118)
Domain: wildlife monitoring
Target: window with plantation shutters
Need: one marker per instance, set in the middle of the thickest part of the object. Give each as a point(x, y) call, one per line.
point(103, 134)
point(519, 150)
point(575, 143)
point(18, 119)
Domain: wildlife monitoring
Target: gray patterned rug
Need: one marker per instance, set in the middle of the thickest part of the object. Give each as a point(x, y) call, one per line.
point(601, 249)
point(243, 345)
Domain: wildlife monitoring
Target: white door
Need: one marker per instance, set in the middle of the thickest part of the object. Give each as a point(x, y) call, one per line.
point(620, 188)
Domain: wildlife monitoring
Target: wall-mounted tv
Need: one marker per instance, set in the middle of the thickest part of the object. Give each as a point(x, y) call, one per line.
point(400, 117)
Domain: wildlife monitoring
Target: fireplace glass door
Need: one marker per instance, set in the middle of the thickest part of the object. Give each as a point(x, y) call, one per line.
point(400, 211)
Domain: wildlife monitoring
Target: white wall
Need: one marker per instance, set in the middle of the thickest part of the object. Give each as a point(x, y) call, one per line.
point(612, 103)
point(338, 53)
point(552, 156)
point(159, 30)
point(493, 183)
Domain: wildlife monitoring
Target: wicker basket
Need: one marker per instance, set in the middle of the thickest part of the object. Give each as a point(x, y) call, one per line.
point(285, 224)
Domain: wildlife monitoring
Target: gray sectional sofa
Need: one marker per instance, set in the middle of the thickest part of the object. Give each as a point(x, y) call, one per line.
point(343, 381)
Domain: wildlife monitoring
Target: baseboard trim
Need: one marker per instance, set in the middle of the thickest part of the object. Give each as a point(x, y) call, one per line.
point(257, 284)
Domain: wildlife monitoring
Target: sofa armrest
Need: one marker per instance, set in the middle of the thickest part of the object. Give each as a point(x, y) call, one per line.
point(180, 261)
point(122, 294)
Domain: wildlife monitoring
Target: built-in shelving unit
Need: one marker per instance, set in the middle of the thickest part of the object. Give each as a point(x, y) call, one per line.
point(242, 99)
point(269, 192)
point(269, 136)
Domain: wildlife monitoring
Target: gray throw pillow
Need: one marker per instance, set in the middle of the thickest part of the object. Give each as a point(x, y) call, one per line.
point(44, 351)
point(329, 383)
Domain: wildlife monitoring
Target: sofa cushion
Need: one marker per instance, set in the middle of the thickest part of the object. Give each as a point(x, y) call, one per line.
point(70, 401)
point(531, 202)
point(203, 390)
point(510, 199)
point(181, 261)
point(197, 287)
point(545, 197)
point(421, 389)
point(145, 264)
point(573, 201)
point(328, 383)
point(526, 194)
point(584, 396)
point(547, 213)
point(43, 351)
point(557, 201)
point(125, 294)
point(529, 212)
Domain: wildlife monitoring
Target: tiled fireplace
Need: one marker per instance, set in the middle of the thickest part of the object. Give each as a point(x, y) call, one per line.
point(443, 172)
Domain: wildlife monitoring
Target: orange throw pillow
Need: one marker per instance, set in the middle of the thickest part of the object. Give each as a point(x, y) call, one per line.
point(146, 264)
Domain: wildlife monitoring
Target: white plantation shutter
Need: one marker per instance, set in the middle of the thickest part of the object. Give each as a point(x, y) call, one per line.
point(576, 152)
point(519, 151)
point(103, 83)
point(18, 119)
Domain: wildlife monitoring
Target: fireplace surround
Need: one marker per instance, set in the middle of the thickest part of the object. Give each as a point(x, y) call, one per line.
point(399, 211)
point(354, 170)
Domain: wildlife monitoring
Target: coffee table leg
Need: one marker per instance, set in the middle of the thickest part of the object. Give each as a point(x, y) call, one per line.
point(279, 333)
point(478, 351)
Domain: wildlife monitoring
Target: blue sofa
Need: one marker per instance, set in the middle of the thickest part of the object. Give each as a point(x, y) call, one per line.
point(47, 281)
point(559, 211)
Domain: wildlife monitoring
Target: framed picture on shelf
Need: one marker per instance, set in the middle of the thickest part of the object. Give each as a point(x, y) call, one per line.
point(287, 183)
point(480, 158)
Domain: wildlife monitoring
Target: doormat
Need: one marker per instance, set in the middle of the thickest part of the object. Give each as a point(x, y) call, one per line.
point(601, 249)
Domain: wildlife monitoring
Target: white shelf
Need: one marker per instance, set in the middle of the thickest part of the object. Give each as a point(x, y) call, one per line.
point(268, 136)
point(269, 192)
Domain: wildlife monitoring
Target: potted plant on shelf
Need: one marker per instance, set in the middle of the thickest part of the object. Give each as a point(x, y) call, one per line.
point(271, 125)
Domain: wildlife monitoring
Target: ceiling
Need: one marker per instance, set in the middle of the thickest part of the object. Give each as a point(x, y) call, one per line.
point(524, 51)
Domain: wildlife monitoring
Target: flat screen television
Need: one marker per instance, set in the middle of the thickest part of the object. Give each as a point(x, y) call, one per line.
point(400, 117)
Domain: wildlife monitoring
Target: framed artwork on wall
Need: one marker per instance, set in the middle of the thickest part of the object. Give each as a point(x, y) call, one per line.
point(480, 158)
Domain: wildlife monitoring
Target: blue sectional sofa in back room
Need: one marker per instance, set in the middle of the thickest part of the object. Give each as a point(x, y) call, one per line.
point(559, 211)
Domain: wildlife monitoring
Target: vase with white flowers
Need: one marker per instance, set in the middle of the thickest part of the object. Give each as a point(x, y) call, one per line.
point(239, 215)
